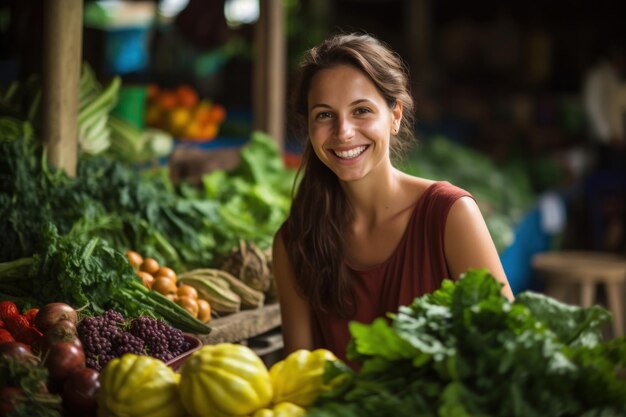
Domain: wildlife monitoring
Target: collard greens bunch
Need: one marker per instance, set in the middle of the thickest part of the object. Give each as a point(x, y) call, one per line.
point(465, 350)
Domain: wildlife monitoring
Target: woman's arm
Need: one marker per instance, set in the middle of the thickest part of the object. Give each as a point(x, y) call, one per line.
point(294, 310)
point(468, 243)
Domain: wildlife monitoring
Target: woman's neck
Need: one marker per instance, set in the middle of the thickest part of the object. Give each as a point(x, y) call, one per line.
point(373, 197)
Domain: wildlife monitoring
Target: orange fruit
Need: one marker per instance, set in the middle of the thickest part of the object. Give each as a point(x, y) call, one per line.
point(187, 96)
point(218, 113)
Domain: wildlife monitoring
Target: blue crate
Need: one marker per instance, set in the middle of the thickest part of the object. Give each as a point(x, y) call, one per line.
point(127, 50)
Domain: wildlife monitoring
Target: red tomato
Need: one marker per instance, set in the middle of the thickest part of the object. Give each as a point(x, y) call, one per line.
point(6, 336)
point(8, 309)
point(22, 330)
point(30, 314)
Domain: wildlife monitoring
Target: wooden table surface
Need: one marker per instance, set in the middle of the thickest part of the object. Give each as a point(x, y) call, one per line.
point(243, 325)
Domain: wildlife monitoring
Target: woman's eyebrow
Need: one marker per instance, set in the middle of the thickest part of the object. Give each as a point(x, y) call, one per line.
point(354, 103)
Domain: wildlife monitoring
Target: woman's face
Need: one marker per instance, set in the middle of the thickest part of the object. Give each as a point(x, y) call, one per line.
point(350, 123)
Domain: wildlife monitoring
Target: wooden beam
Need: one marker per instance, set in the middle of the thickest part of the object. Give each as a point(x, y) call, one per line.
point(62, 44)
point(269, 78)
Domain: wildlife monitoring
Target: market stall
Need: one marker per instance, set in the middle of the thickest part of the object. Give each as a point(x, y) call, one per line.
point(66, 263)
point(62, 60)
point(123, 293)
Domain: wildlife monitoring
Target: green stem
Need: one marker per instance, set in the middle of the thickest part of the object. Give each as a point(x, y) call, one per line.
point(16, 268)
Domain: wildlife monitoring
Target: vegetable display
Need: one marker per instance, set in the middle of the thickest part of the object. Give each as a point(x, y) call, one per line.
point(139, 386)
point(89, 273)
point(181, 112)
point(184, 228)
point(284, 409)
point(110, 335)
point(298, 379)
point(466, 350)
point(224, 379)
point(41, 377)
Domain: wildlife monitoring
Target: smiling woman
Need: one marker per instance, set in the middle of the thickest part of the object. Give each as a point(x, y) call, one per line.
point(362, 237)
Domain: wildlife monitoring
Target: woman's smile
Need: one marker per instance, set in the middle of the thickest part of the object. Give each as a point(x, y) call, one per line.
point(349, 154)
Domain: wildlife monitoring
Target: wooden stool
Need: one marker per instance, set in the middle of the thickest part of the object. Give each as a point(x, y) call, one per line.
point(560, 270)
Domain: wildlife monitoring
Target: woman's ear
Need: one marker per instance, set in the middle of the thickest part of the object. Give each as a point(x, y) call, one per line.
point(396, 117)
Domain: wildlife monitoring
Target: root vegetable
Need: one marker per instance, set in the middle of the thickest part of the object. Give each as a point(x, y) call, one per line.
point(62, 331)
point(135, 259)
point(150, 265)
point(188, 304)
point(166, 272)
point(164, 285)
point(51, 313)
point(185, 290)
point(17, 350)
point(79, 392)
point(62, 360)
point(10, 397)
point(146, 279)
point(204, 310)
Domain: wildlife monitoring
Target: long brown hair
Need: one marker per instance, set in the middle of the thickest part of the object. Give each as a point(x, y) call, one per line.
point(320, 212)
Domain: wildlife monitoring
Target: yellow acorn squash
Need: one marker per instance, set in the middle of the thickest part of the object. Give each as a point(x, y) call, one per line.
point(298, 378)
point(224, 379)
point(138, 386)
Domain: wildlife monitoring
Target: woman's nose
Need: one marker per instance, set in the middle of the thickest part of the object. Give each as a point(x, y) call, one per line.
point(345, 129)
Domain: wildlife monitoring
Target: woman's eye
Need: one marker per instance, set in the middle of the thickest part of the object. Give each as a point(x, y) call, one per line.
point(323, 115)
point(362, 110)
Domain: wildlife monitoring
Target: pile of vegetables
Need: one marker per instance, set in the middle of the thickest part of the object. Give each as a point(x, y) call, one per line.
point(164, 280)
point(99, 131)
point(47, 377)
point(465, 350)
point(22, 100)
point(132, 209)
point(64, 239)
point(217, 380)
point(90, 273)
point(183, 229)
point(182, 113)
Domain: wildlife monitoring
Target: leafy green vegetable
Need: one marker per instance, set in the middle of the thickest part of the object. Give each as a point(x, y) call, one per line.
point(255, 197)
point(465, 350)
point(90, 274)
point(139, 210)
point(31, 378)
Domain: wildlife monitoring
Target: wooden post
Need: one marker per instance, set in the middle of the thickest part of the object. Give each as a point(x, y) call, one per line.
point(269, 78)
point(62, 44)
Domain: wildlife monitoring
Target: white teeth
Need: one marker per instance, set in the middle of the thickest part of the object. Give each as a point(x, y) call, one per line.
point(352, 153)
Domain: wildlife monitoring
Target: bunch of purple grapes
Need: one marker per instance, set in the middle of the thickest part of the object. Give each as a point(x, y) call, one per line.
point(109, 336)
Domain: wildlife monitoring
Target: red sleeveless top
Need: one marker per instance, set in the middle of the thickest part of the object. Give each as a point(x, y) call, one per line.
point(416, 267)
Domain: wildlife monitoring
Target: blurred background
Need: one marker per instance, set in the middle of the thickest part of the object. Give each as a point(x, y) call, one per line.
point(515, 100)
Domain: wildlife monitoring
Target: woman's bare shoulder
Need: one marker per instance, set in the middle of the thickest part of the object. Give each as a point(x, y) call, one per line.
point(415, 186)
